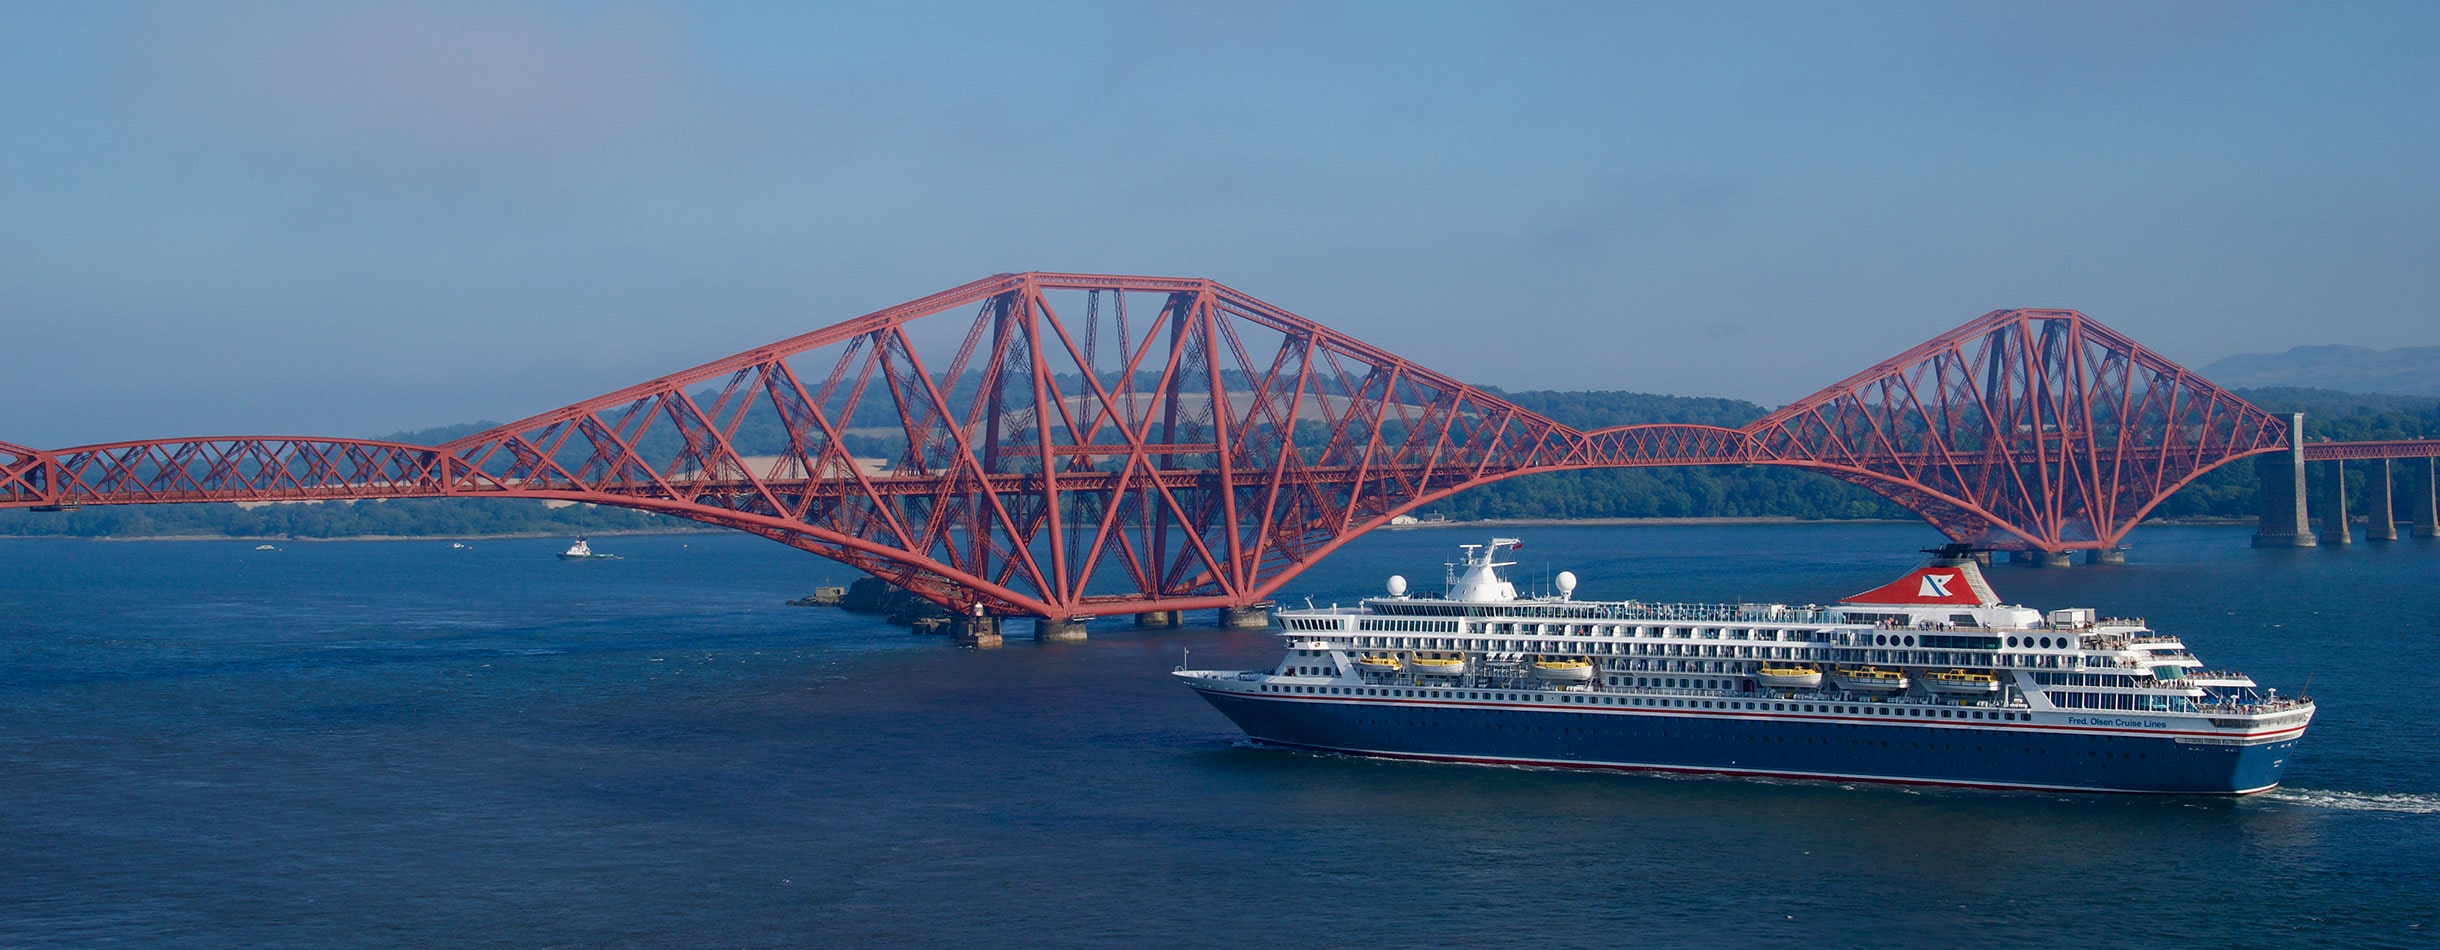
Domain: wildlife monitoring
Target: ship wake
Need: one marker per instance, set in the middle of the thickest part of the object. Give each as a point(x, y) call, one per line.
point(2404, 803)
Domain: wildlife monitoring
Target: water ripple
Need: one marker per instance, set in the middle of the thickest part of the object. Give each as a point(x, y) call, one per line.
point(2405, 803)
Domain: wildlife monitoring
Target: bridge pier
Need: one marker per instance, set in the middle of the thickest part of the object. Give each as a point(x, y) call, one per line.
point(1157, 619)
point(2286, 520)
point(1255, 617)
point(2040, 558)
point(2427, 497)
point(976, 629)
point(2334, 527)
point(1064, 631)
point(2105, 556)
point(2380, 510)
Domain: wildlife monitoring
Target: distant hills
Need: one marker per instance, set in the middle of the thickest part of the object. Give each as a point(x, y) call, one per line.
point(2410, 370)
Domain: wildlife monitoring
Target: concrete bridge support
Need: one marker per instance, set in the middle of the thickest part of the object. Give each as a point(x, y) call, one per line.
point(1257, 617)
point(1066, 631)
point(2380, 514)
point(2043, 558)
point(2426, 492)
point(2334, 527)
point(2105, 556)
point(2286, 522)
point(977, 629)
point(1157, 620)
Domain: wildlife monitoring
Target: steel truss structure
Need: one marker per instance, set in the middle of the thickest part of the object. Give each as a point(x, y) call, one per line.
point(1070, 445)
point(2023, 429)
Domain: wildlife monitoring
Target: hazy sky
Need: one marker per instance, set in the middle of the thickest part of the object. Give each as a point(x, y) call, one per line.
point(351, 219)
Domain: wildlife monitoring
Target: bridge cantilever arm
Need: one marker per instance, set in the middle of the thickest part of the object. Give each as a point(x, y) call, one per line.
point(28, 477)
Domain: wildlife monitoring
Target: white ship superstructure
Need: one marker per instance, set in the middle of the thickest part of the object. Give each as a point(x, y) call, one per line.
point(1928, 679)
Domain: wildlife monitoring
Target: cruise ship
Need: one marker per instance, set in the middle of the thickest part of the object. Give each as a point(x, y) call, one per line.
point(1927, 680)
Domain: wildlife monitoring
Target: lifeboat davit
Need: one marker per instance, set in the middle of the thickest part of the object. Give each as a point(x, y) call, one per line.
point(1438, 665)
point(1379, 663)
point(1561, 670)
point(1962, 682)
point(1869, 679)
point(1788, 677)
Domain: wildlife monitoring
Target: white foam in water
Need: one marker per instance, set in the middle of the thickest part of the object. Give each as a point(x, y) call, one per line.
point(2407, 803)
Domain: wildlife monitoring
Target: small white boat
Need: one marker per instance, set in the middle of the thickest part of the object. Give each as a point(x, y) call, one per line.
point(580, 551)
point(1962, 682)
point(1788, 677)
point(265, 547)
point(1438, 665)
point(1561, 670)
point(458, 546)
point(1869, 679)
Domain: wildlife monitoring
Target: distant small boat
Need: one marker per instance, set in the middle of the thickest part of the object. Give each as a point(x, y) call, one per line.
point(265, 547)
point(580, 551)
point(457, 546)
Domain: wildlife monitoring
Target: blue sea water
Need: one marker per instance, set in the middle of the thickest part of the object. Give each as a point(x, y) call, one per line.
point(402, 744)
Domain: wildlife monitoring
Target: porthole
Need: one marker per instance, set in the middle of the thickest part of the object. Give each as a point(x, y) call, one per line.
point(1910, 641)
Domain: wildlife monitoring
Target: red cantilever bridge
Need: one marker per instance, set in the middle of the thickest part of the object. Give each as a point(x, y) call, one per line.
point(1068, 445)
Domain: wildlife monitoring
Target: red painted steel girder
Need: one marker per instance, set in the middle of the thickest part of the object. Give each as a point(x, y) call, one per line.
point(25, 476)
point(1051, 444)
point(1068, 445)
point(2028, 429)
point(2351, 451)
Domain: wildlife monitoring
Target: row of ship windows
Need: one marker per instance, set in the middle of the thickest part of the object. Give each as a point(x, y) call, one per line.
point(2133, 702)
point(1594, 649)
point(1909, 657)
point(1738, 737)
point(2091, 679)
point(1584, 699)
point(1677, 633)
point(1402, 625)
point(1682, 633)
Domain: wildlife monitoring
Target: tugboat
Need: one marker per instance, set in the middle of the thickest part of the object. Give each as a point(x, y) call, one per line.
point(580, 551)
point(1928, 680)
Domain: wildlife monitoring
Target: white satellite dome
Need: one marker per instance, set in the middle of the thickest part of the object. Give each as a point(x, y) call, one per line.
point(1397, 585)
point(1566, 582)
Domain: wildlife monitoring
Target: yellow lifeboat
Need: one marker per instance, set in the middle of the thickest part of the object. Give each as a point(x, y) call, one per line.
point(1437, 665)
point(1559, 669)
point(1788, 677)
point(1869, 679)
point(1961, 681)
point(1379, 663)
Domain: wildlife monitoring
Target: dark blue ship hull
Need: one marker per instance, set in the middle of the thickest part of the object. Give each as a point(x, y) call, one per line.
point(2017, 757)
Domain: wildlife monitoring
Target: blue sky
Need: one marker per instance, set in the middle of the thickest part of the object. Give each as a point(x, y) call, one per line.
point(351, 219)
